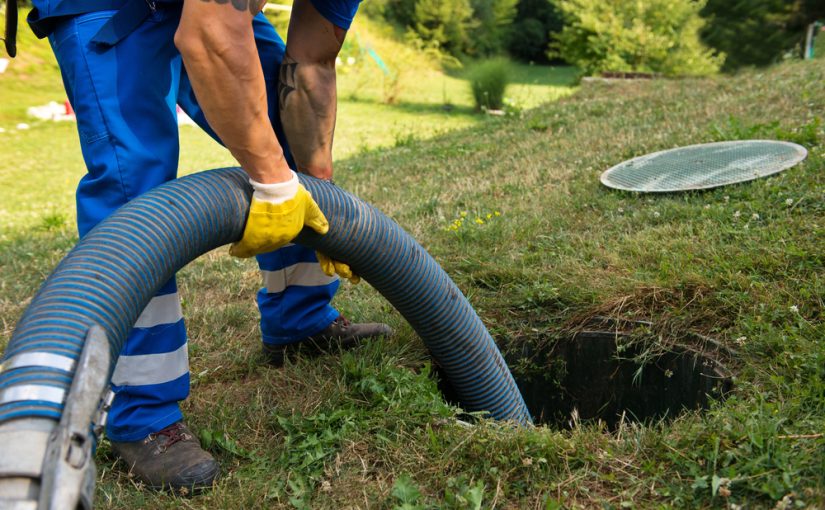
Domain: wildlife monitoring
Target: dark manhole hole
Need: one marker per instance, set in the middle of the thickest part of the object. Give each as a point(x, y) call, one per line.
point(605, 375)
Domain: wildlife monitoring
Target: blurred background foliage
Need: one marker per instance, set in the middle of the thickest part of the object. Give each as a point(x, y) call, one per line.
point(745, 32)
point(758, 32)
point(671, 37)
point(651, 36)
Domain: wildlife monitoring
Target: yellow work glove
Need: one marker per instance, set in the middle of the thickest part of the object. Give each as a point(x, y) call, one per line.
point(331, 267)
point(277, 214)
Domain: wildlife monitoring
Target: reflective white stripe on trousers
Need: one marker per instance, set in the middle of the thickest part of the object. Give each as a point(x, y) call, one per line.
point(302, 274)
point(145, 369)
point(161, 310)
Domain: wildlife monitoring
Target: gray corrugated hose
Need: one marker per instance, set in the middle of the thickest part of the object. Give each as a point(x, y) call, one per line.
point(110, 276)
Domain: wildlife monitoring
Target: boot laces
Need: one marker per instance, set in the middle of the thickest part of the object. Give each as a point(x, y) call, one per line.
point(173, 433)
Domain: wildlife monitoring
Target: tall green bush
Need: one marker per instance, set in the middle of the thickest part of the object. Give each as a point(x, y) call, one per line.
point(445, 22)
point(456, 27)
point(494, 19)
point(657, 36)
point(488, 83)
point(401, 12)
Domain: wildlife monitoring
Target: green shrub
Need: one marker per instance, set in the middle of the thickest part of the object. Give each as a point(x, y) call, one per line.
point(654, 36)
point(493, 21)
point(445, 22)
point(401, 12)
point(488, 82)
point(453, 27)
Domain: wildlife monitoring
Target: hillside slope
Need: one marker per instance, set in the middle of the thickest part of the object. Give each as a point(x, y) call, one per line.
point(541, 249)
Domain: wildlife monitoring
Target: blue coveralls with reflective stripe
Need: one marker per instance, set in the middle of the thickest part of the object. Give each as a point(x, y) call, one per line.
point(124, 96)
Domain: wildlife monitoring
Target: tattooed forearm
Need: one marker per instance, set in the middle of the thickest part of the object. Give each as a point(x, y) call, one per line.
point(286, 80)
point(307, 99)
point(253, 6)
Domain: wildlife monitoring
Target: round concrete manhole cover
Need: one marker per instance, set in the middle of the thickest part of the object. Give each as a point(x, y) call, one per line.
point(703, 166)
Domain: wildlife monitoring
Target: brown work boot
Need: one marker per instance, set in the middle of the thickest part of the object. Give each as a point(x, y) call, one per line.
point(171, 458)
point(341, 334)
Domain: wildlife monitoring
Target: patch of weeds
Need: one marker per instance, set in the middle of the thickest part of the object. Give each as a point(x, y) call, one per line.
point(537, 124)
point(536, 295)
point(808, 134)
point(459, 494)
point(513, 107)
point(406, 494)
point(309, 441)
point(554, 124)
point(552, 503)
point(405, 138)
point(392, 390)
point(744, 454)
point(54, 221)
point(477, 220)
point(382, 399)
point(463, 494)
point(219, 441)
point(490, 456)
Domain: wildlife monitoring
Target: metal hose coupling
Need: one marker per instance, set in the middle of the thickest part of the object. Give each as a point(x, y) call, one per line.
point(48, 466)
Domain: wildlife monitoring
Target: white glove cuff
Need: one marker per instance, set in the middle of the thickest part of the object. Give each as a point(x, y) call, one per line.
point(278, 192)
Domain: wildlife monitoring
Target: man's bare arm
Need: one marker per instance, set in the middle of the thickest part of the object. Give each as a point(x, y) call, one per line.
point(307, 89)
point(217, 43)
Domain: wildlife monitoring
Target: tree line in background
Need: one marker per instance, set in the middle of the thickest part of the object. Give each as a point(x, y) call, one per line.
point(758, 32)
point(660, 36)
point(671, 37)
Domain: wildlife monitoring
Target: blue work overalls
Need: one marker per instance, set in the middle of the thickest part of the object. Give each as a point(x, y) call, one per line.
point(124, 91)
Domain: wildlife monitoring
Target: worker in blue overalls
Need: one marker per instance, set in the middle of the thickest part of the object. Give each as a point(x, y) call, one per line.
point(125, 65)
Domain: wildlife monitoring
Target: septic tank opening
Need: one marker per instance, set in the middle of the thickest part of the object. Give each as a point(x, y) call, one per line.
point(607, 376)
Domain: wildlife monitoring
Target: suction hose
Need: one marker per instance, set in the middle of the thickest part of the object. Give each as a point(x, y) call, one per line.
point(110, 276)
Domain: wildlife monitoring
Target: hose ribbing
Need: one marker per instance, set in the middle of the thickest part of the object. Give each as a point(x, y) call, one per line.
point(113, 272)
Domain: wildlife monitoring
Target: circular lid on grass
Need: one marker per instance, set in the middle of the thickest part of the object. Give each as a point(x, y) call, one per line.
point(703, 166)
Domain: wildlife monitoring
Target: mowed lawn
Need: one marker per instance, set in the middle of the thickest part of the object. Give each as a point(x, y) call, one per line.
point(742, 265)
point(425, 102)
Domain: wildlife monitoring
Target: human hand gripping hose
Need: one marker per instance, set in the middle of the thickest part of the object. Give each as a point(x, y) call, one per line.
point(277, 214)
point(332, 267)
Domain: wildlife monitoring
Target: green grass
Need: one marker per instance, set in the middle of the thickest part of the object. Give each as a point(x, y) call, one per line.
point(367, 429)
point(428, 103)
point(32, 78)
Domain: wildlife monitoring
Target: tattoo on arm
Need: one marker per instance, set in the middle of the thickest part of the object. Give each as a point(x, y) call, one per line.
point(253, 6)
point(286, 80)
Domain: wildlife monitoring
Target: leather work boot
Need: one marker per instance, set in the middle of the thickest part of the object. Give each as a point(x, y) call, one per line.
point(171, 458)
point(340, 334)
